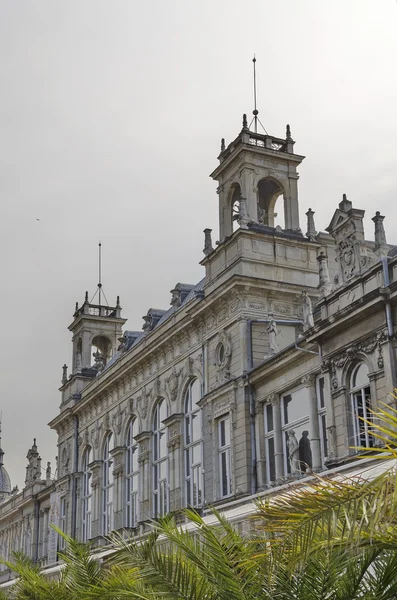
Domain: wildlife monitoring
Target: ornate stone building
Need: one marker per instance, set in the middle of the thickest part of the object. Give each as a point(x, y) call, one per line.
point(253, 378)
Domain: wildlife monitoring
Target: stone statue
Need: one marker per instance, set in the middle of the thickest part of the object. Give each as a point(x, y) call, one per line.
point(307, 311)
point(293, 451)
point(99, 363)
point(261, 215)
point(272, 332)
point(305, 453)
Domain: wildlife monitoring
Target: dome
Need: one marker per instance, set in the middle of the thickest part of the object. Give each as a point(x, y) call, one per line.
point(5, 481)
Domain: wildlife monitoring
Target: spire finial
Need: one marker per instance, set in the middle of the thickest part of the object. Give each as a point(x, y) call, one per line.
point(223, 145)
point(288, 133)
point(255, 112)
point(245, 122)
point(86, 297)
point(1, 450)
point(99, 272)
point(99, 289)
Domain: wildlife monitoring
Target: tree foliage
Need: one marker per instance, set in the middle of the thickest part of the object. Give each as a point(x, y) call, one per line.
point(327, 538)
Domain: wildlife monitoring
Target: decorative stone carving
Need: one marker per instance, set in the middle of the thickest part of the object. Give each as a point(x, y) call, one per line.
point(351, 353)
point(308, 321)
point(99, 363)
point(65, 458)
point(311, 228)
point(271, 399)
point(223, 356)
point(380, 235)
point(220, 407)
point(309, 380)
point(346, 257)
point(143, 402)
point(208, 248)
point(173, 383)
point(118, 419)
point(95, 434)
point(325, 284)
point(293, 452)
point(271, 330)
point(261, 215)
point(174, 442)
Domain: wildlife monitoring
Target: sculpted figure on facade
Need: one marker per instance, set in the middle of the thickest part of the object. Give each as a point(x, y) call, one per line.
point(65, 458)
point(293, 452)
point(305, 452)
point(308, 320)
point(272, 333)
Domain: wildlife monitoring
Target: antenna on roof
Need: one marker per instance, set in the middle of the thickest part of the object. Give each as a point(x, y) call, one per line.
point(99, 270)
point(99, 289)
point(1, 451)
point(255, 112)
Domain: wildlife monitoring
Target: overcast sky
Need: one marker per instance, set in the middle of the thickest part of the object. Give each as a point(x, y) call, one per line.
point(111, 115)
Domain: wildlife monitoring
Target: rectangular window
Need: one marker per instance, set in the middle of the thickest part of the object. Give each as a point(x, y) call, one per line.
point(225, 486)
point(295, 421)
point(62, 523)
point(269, 444)
point(361, 401)
point(322, 418)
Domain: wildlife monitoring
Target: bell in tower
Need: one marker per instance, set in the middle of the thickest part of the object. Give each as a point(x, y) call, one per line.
point(255, 170)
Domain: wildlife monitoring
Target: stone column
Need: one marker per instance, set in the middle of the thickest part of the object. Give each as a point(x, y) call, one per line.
point(314, 434)
point(225, 214)
point(291, 206)
point(96, 469)
point(118, 456)
point(250, 196)
point(278, 439)
point(243, 326)
point(175, 457)
point(144, 438)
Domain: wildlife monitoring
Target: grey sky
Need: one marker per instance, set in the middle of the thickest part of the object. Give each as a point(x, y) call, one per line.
point(111, 114)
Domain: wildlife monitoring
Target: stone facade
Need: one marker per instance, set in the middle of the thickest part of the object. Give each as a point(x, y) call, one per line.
point(254, 377)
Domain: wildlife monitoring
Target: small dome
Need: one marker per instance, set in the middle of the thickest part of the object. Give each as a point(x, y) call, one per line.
point(5, 481)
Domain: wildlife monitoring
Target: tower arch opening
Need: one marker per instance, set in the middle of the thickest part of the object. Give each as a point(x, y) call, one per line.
point(269, 192)
point(101, 351)
point(234, 206)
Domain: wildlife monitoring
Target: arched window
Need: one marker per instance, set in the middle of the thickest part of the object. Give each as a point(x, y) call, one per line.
point(193, 446)
point(361, 406)
point(132, 476)
point(86, 497)
point(107, 486)
point(160, 461)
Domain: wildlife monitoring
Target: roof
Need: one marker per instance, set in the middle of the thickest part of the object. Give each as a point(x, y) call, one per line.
point(5, 481)
point(199, 287)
